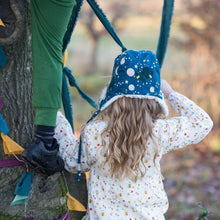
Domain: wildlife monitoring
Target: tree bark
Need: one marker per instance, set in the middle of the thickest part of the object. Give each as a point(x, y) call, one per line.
point(47, 198)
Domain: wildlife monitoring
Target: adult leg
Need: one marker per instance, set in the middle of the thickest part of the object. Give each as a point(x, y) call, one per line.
point(49, 20)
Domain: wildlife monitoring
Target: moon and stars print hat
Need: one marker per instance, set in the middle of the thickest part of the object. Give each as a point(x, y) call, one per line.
point(136, 74)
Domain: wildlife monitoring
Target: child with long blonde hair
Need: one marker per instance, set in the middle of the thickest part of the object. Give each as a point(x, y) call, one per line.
point(124, 142)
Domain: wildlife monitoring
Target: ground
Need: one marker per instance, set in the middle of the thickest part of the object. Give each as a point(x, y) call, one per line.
point(192, 177)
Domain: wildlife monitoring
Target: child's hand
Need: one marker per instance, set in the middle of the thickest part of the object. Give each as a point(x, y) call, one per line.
point(166, 88)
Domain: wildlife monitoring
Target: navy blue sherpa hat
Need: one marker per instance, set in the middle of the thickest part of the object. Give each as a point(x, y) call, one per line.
point(136, 74)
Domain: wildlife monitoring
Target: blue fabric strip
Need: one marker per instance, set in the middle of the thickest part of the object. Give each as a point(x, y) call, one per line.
point(24, 184)
point(3, 57)
point(3, 126)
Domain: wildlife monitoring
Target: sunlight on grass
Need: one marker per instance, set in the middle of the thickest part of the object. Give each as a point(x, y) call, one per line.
point(215, 144)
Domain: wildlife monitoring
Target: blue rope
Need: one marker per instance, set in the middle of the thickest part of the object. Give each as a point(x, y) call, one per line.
point(102, 17)
point(73, 83)
point(66, 97)
point(72, 23)
point(161, 50)
point(164, 30)
point(67, 103)
point(80, 148)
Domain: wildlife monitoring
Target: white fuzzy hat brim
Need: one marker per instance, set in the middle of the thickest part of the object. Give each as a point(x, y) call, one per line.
point(157, 99)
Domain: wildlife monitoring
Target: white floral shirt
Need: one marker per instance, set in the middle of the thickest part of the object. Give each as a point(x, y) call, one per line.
point(145, 199)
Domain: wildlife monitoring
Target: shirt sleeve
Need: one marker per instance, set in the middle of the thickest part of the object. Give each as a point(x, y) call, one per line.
point(69, 145)
point(190, 127)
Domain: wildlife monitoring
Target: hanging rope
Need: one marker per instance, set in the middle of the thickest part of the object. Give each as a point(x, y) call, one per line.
point(66, 98)
point(164, 30)
point(161, 50)
point(72, 23)
point(73, 83)
point(102, 17)
point(67, 103)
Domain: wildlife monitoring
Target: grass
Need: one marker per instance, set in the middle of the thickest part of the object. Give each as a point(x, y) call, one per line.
point(4, 216)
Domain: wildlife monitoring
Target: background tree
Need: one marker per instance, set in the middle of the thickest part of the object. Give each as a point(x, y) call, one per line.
point(47, 198)
point(116, 11)
point(201, 29)
point(95, 29)
point(201, 26)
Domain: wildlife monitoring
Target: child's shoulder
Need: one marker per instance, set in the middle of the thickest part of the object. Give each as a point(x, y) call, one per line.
point(95, 126)
point(159, 126)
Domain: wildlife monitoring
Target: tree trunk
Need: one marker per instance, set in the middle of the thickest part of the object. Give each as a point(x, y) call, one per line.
point(47, 200)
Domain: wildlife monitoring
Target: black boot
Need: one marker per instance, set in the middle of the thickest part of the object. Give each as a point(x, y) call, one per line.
point(46, 158)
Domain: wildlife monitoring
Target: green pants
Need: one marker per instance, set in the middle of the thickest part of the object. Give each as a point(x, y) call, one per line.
point(49, 20)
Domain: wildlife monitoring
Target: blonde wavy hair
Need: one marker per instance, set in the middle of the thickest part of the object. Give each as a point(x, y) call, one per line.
point(130, 125)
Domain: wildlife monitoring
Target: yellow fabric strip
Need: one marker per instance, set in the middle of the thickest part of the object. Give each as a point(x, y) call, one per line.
point(1, 23)
point(65, 56)
point(10, 146)
point(74, 204)
point(87, 176)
